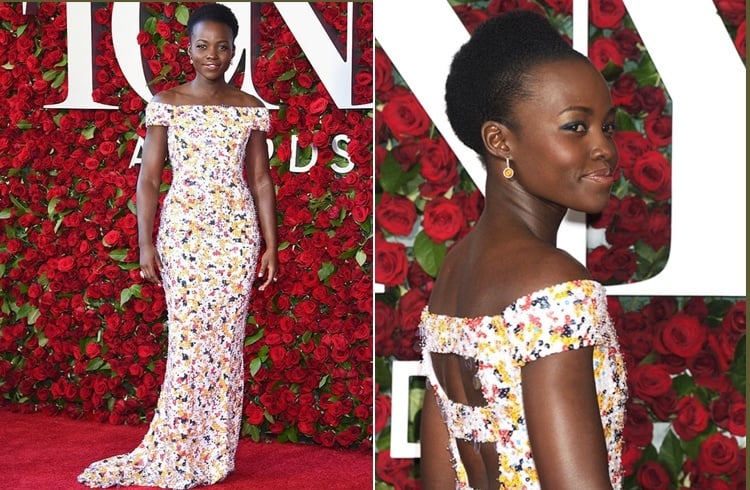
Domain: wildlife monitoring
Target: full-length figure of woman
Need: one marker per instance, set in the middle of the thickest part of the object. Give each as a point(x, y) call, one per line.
point(526, 381)
point(218, 211)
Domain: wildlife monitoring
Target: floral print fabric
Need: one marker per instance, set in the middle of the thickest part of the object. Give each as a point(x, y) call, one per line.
point(555, 319)
point(208, 241)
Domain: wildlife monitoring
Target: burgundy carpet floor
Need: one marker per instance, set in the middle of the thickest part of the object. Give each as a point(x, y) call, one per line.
point(40, 452)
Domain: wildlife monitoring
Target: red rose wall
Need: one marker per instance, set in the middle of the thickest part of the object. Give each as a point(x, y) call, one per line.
point(685, 355)
point(82, 334)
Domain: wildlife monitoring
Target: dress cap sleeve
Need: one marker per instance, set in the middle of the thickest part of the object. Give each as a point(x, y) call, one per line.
point(261, 120)
point(158, 114)
point(563, 317)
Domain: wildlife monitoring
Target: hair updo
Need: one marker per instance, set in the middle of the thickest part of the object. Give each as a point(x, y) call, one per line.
point(214, 12)
point(489, 73)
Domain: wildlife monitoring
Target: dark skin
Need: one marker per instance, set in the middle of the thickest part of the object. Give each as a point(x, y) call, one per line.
point(563, 156)
point(211, 50)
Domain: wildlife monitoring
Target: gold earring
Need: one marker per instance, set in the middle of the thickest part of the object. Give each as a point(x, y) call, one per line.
point(507, 171)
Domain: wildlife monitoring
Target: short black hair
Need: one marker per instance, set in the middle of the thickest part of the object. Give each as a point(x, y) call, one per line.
point(488, 73)
point(215, 12)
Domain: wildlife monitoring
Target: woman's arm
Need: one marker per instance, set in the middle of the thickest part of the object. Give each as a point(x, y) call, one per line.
point(435, 459)
point(261, 187)
point(147, 199)
point(562, 415)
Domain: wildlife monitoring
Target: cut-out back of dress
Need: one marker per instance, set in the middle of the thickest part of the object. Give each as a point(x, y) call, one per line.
point(466, 358)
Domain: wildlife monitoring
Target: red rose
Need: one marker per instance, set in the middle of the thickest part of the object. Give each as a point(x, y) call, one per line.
point(112, 238)
point(607, 14)
point(418, 278)
point(681, 335)
point(391, 470)
point(561, 6)
point(391, 264)
point(405, 117)
point(731, 10)
point(396, 214)
point(470, 17)
point(439, 165)
point(664, 406)
point(163, 29)
point(623, 95)
point(652, 174)
point(631, 213)
point(658, 230)
point(736, 421)
point(620, 263)
point(659, 129)
point(740, 41)
point(496, 7)
point(718, 455)
point(384, 325)
point(630, 456)
point(318, 105)
point(639, 428)
point(604, 51)
point(382, 412)
point(629, 43)
point(652, 476)
point(651, 99)
point(442, 219)
point(650, 381)
point(65, 264)
point(692, 418)
point(734, 323)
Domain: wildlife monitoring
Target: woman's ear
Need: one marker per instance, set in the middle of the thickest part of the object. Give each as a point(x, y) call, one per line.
point(495, 138)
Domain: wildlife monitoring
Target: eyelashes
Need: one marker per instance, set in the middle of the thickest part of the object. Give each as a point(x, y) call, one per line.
point(581, 127)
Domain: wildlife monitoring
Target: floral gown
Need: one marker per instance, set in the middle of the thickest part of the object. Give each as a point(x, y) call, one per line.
point(555, 319)
point(208, 242)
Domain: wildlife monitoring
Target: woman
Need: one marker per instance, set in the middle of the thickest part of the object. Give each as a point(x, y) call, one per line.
point(526, 381)
point(205, 255)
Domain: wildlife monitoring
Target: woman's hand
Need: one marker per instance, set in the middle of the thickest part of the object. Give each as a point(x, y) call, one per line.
point(269, 264)
point(150, 264)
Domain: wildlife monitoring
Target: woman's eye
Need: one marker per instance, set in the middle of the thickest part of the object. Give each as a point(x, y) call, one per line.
point(577, 127)
point(609, 128)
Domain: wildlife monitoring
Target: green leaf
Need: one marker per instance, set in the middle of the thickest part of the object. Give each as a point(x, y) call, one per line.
point(323, 381)
point(255, 365)
point(9, 66)
point(429, 254)
point(49, 75)
point(33, 315)
point(95, 364)
point(382, 373)
point(737, 369)
point(624, 121)
point(51, 206)
point(360, 257)
point(24, 125)
point(254, 337)
point(59, 79)
point(5, 213)
point(671, 455)
point(683, 385)
point(119, 254)
point(392, 176)
point(325, 271)
point(182, 14)
point(88, 132)
point(646, 73)
point(21, 29)
point(287, 75)
point(132, 291)
point(150, 25)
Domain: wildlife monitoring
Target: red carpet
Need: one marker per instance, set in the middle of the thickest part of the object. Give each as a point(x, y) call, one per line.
point(39, 452)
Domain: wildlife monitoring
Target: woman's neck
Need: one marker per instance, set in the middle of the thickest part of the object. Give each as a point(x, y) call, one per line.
point(510, 208)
